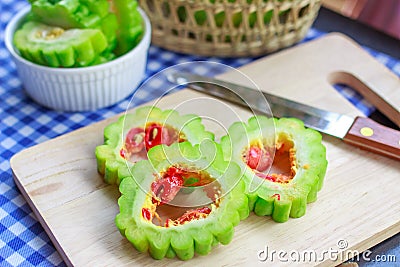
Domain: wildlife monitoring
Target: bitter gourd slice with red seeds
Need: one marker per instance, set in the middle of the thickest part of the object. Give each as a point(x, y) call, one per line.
point(127, 140)
point(190, 232)
point(280, 192)
point(56, 47)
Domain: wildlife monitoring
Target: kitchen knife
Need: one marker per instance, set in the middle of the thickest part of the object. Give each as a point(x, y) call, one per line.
point(359, 131)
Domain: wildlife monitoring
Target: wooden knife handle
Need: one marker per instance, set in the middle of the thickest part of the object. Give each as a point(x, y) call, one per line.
point(370, 135)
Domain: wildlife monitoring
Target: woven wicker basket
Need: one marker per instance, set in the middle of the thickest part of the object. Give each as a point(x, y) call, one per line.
point(229, 28)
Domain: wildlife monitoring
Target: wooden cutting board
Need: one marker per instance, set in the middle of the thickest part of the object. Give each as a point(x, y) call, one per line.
point(359, 204)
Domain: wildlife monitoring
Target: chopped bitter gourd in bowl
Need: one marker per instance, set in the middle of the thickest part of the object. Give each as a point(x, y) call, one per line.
point(119, 22)
point(73, 64)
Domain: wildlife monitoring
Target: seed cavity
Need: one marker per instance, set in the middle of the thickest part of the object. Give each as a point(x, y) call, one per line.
point(50, 34)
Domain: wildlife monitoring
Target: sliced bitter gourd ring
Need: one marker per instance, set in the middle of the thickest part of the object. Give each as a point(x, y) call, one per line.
point(128, 140)
point(56, 47)
point(80, 14)
point(282, 184)
point(131, 29)
point(149, 221)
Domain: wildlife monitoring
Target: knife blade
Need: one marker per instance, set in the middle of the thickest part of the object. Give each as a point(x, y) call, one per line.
point(359, 131)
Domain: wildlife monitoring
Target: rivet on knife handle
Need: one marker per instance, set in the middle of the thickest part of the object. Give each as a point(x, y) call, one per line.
point(370, 135)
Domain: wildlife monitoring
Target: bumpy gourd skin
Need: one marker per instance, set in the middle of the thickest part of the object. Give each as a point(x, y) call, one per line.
point(108, 155)
point(69, 14)
point(268, 197)
point(128, 15)
point(56, 47)
point(193, 237)
point(78, 14)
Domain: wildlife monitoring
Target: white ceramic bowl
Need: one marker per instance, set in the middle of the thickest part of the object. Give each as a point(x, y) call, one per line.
point(80, 89)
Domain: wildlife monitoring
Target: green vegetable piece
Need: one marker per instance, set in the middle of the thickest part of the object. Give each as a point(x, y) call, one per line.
point(200, 16)
point(104, 57)
point(69, 14)
point(116, 154)
point(81, 14)
point(182, 237)
point(182, 14)
point(131, 25)
point(283, 169)
point(56, 47)
point(109, 27)
point(100, 8)
point(268, 16)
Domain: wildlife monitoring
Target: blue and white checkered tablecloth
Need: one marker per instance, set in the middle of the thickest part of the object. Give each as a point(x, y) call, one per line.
point(23, 123)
